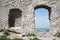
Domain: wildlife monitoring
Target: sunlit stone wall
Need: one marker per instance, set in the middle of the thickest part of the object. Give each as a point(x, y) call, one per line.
point(25, 24)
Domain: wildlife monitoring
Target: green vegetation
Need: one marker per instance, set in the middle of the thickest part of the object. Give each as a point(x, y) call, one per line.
point(4, 38)
point(1, 30)
point(6, 32)
point(17, 39)
point(34, 38)
point(57, 34)
point(30, 34)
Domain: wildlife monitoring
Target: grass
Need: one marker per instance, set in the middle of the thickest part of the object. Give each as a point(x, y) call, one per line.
point(57, 34)
point(6, 32)
point(4, 38)
point(17, 39)
point(1, 30)
point(34, 38)
point(30, 34)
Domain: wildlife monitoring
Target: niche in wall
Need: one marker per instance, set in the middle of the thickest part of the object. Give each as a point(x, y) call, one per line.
point(13, 15)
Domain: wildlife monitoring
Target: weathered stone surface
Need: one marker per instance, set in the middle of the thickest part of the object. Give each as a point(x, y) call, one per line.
point(25, 24)
point(1, 34)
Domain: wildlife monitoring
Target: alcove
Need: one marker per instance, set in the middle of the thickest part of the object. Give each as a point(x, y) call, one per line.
point(13, 15)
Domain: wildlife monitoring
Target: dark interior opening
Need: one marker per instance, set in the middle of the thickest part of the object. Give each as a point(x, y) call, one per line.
point(46, 7)
point(13, 15)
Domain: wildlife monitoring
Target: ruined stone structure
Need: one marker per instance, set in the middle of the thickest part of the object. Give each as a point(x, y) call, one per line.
point(24, 22)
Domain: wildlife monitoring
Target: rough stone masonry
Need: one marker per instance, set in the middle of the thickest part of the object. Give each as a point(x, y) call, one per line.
point(25, 23)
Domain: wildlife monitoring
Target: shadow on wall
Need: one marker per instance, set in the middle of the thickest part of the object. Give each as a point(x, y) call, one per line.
point(13, 15)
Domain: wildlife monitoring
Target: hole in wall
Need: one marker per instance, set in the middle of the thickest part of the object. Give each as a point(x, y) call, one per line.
point(42, 18)
point(13, 15)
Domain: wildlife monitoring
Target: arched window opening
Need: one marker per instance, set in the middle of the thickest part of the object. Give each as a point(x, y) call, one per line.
point(13, 15)
point(42, 17)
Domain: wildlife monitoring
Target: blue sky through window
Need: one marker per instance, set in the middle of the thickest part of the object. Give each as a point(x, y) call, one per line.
point(42, 19)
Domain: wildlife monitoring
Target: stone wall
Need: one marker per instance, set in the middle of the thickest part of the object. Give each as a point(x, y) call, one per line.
point(25, 24)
